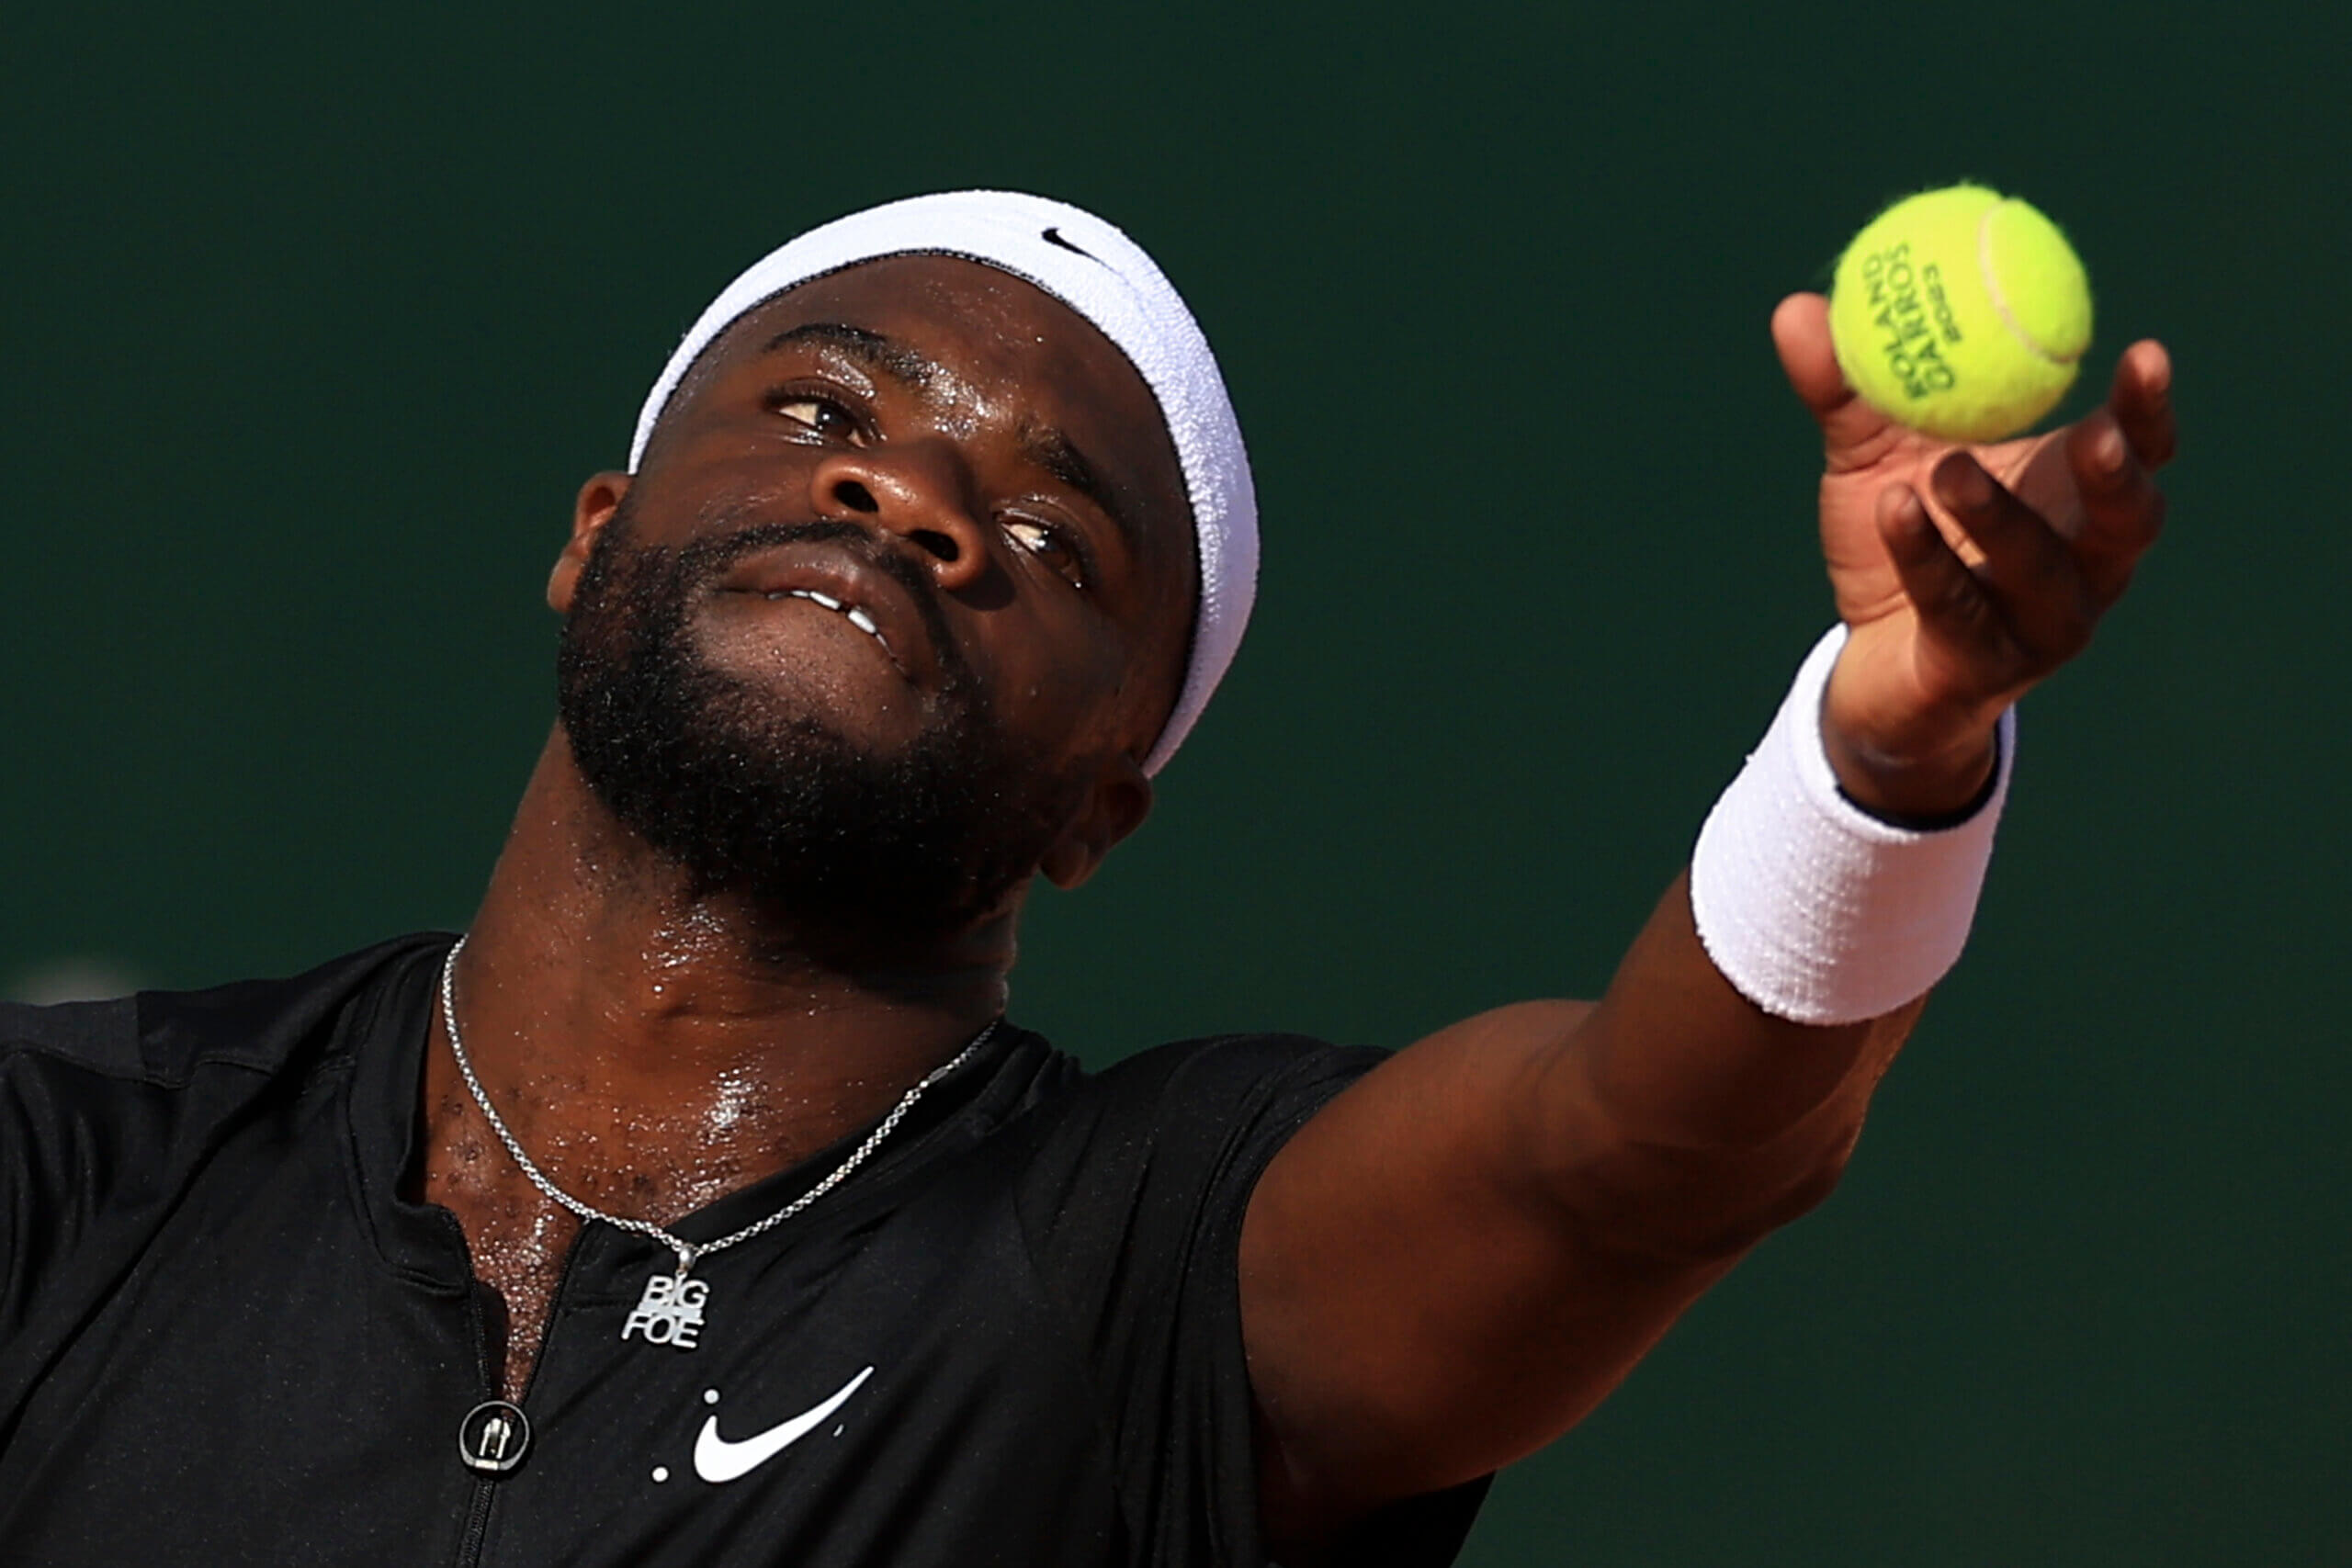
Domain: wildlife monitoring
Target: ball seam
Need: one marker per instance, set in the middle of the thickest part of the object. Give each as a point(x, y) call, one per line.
point(1992, 280)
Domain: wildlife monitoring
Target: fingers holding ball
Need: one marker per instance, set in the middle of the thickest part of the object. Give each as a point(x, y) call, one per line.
point(1961, 313)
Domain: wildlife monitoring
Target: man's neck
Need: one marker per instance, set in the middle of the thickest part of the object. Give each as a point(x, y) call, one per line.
point(653, 1049)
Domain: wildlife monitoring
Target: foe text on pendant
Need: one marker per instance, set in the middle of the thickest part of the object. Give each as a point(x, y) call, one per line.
point(669, 1313)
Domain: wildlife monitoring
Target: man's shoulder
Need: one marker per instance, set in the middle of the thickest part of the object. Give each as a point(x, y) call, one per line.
point(1189, 1117)
point(111, 1111)
point(166, 1039)
point(1231, 1071)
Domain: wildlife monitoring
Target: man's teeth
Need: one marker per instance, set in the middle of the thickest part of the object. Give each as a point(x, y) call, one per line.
point(852, 614)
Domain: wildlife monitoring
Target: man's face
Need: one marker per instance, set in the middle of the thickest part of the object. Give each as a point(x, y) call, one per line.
point(898, 599)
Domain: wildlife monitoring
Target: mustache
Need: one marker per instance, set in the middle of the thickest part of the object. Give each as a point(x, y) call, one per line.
point(700, 562)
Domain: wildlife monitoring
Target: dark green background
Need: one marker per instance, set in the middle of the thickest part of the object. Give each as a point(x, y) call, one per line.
point(313, 323)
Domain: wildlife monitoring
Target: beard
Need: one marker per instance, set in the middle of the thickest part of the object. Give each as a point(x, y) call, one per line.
point(849, 849)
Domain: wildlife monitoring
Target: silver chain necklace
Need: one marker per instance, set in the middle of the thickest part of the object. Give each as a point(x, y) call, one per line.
point(671, 1311)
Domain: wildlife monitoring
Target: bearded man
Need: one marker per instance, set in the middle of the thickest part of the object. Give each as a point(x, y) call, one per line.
point(699, 1206)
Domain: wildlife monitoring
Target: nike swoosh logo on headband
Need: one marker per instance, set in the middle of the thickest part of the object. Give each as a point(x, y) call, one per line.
point(1054, 237)
point(717, 1460)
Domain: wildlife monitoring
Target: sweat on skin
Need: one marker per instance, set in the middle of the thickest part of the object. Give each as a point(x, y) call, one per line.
point(769, 869)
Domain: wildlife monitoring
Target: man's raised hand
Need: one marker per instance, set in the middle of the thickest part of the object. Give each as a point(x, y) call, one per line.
point(1965, 575)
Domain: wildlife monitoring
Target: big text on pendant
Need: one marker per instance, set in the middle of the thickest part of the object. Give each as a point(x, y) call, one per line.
point(669, 1312)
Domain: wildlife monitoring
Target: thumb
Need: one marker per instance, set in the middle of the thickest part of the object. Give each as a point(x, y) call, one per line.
point(1801, 334)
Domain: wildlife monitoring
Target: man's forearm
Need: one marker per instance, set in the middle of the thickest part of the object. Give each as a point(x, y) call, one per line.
point(1719, 1120)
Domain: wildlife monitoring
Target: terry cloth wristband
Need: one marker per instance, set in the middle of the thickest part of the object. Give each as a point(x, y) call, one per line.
point(1814, 910)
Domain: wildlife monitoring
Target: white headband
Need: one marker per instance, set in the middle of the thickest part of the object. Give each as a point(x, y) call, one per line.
point(1105, 277)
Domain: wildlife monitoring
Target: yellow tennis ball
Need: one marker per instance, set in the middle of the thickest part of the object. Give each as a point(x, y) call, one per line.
point(1960, 312)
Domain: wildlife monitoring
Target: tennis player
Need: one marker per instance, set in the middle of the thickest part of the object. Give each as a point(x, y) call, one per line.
point(701, 1205)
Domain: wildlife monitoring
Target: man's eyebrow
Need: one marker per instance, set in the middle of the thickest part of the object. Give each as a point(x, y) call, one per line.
point(1042, 445)
point(868, 348)
point(1059, 456)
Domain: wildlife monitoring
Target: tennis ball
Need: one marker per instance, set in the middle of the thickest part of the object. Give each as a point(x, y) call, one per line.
point(1960, 312)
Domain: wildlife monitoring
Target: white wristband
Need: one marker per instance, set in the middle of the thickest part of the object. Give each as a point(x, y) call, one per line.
point(1814, 910)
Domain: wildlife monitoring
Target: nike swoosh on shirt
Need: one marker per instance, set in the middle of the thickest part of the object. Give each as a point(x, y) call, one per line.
point(717, 1460)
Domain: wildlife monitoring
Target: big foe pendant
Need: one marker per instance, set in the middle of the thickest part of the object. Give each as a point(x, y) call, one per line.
point(669, 1313)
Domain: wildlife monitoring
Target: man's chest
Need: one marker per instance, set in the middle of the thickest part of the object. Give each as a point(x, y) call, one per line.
point(262, 1387)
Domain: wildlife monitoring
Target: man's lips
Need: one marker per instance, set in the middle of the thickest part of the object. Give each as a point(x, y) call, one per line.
point(825, 577)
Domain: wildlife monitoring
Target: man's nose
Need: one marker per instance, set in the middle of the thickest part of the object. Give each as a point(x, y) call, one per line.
point(914, 490)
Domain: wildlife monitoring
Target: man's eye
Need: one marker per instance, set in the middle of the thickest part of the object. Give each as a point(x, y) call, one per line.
point(824, 416)
point(1047, 546)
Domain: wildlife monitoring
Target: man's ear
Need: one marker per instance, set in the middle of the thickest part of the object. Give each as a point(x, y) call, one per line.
point(1116, 806)
point(598, 500)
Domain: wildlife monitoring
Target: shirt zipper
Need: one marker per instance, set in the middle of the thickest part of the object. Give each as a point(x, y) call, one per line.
point(469, 1545)
point(477, 1509)
point(477, 1525)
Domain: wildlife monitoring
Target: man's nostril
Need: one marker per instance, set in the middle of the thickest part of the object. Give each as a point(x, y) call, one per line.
point(856, 496)
point(944, 545)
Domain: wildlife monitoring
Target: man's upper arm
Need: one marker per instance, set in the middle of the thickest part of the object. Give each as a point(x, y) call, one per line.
point(1462, 1254)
